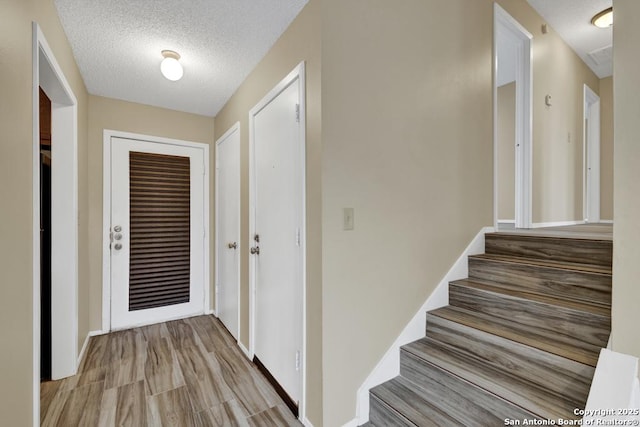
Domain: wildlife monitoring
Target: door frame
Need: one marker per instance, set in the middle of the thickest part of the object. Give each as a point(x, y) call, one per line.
point(591, 150)
point(223, 138)
point(106, 214)
point(506, 26)
point(47, 73)
point(298, 73)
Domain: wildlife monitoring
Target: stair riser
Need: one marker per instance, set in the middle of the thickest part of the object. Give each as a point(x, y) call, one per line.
point(494, 410)
point(550, 319)
point(554, 373)
point(594, 252)
point(573, 285)
point(381, 415)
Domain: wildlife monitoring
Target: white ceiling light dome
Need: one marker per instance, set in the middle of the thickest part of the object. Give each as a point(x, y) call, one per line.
point(170, 66)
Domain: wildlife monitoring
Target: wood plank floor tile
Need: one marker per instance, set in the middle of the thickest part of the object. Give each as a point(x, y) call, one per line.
point(171, 409)
point(125, 371)
point(182, 334)
point(250, 388)
point(82, 407)
point(162, 371)
point(48, 391)
point(211, 333)
point(277, 416)
point(181, 373)
point(97, 353)
point(227, 414)
point(204, 379)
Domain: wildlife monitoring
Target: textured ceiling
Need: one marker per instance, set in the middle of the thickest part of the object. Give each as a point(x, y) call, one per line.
point(117, 45)
point(572, 20)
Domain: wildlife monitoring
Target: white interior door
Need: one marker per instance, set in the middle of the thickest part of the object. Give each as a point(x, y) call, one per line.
point(228, 229)
point(157, 228)
point(277, 232)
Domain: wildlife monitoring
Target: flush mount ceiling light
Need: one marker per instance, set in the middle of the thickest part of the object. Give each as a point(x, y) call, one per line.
point(603, 19)
point(170, 66)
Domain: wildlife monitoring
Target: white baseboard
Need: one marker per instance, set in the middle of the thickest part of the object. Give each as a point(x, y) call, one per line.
point(244, 350)
point(556, 224)
point(605, 221)
point(506, 221)
point(85, 344)
point(389, 366)
point(211, 312)
point(306, 422)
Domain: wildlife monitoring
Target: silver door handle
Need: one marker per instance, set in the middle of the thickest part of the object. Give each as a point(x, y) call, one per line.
point(233, 245)
point(255, 250)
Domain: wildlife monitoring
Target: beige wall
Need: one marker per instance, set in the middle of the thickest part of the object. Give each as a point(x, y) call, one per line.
point(16, 154)
point(626, 232)
point(606, 148)
point(507, 152)
point(301, 42)
point(557, 130)
point(408, 143)
point(112, 114)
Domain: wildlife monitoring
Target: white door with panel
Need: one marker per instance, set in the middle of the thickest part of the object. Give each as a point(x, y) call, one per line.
point(157, 232)
point(277, 233)
point(228, 229)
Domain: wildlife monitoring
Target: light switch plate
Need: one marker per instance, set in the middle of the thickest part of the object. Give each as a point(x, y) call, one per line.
point(347, 219)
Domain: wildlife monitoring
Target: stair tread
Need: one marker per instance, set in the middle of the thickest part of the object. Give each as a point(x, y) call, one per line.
point(554, 373)
point(577, 350)
point(501, 382)
point(595, 308)
point(425, 405)
point(547, 263)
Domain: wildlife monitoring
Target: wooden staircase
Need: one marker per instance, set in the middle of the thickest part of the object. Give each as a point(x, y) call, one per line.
point(519, 340)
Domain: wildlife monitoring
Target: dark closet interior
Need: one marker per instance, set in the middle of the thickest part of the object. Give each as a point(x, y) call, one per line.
point(45, 237)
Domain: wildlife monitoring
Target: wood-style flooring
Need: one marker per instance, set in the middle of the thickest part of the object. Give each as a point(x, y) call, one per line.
point(182, 373)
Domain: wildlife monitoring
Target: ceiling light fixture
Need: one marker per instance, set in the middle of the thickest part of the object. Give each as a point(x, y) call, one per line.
point(170, 66)
point(603, 19)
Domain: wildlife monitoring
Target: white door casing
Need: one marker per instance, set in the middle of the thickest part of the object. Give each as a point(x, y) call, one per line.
point(506, 26)
point(591, 155)
point(118, 145)
point(228, 245)
point(277, 212)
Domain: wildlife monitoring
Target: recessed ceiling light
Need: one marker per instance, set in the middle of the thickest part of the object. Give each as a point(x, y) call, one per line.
point(603, 19)
point(170, 66)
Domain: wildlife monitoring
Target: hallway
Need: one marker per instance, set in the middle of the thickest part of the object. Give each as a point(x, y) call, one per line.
point(187, 372)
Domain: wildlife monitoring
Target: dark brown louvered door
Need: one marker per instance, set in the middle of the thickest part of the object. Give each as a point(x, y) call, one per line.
point(159, 200)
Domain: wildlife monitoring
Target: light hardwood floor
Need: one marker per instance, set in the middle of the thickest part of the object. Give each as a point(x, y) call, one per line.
point(182, 373)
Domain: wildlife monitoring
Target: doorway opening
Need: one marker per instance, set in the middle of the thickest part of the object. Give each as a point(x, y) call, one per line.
point(512, 122)
point(45, 236)
point(49, 78)
point(591, 156)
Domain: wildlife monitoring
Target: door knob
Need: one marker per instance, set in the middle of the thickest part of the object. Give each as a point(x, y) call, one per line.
point(255, 250)
point(233, 245)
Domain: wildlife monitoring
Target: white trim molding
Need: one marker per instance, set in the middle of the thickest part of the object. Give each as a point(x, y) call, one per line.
point(389, 366)
point(556, 224)
point(106, 215)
